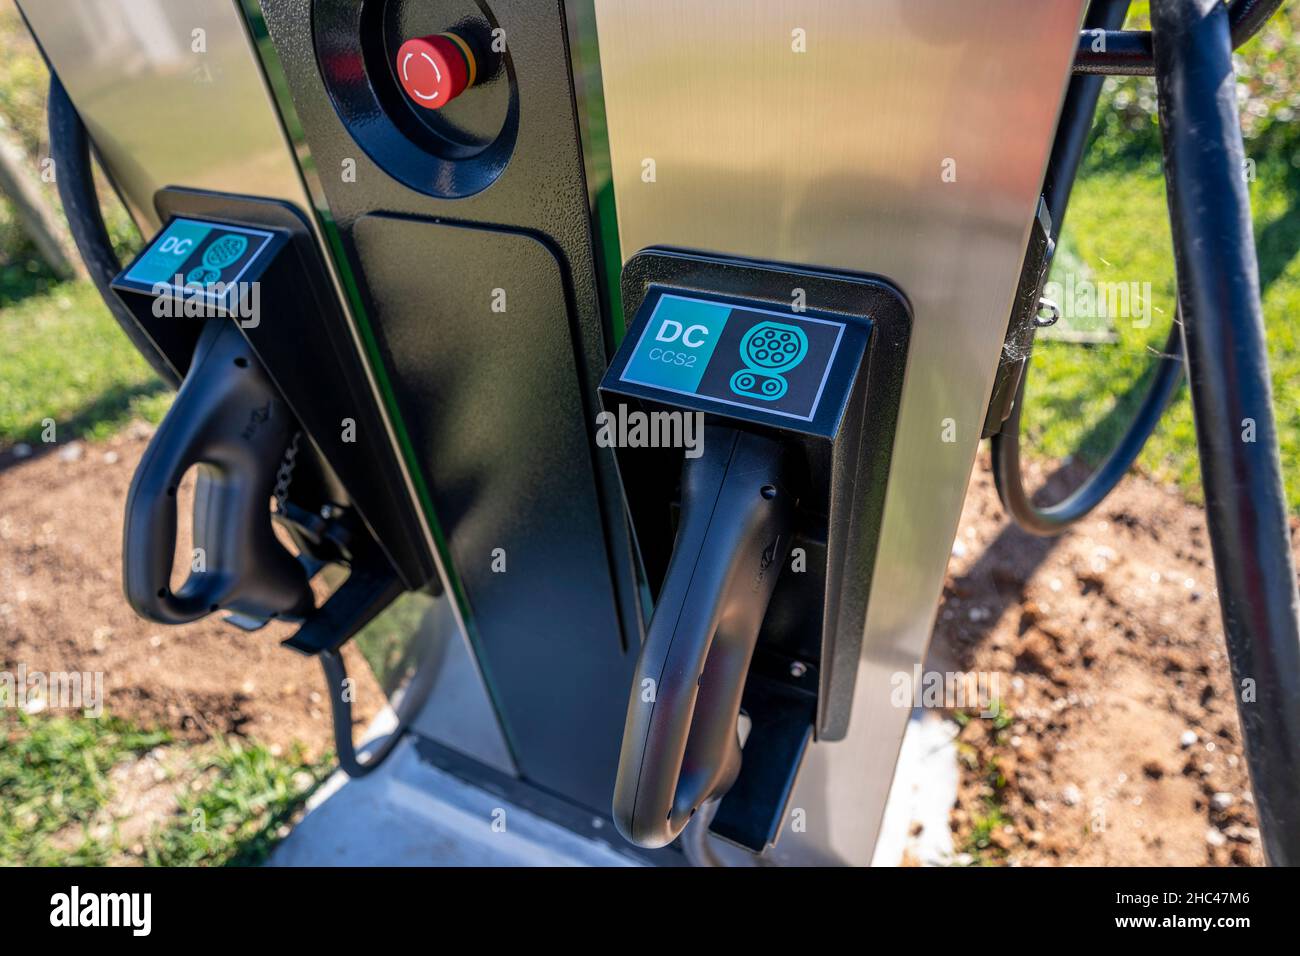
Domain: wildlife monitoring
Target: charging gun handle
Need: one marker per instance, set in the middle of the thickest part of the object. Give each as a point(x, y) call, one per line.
point(229, 419)
point(680, 742)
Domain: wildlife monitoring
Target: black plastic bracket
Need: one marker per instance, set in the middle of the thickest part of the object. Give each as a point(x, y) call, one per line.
point(846, 448)
point(357, 602)
point(301, 337)
point(1019, 343)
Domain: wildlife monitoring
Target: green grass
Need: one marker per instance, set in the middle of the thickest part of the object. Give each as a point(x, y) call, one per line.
point(1080, 397)
point(54, 776)
point(979, 843)
point(991, 817)
point(240, 813)
point(58, 796)
point(63, 357)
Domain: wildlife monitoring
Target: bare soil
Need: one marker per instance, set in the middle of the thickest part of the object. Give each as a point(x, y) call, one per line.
point(1123, 745)
point(62, 610)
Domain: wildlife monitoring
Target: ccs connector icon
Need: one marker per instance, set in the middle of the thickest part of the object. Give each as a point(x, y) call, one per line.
point(768, 350)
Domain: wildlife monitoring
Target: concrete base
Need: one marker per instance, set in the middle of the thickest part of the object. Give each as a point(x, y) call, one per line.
point(410, 813)
point(915, 829)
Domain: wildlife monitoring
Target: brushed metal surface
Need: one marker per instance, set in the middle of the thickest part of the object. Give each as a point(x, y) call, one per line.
point(726, 139)
point(173, 94)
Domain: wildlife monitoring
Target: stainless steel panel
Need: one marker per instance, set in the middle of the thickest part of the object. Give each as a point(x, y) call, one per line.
point(836, 157)
point(173, 94)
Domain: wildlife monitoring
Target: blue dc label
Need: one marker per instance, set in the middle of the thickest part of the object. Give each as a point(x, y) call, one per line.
point(735, 355)
point(203, 253)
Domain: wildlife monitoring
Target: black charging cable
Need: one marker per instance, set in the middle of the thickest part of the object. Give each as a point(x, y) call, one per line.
point(336, 683)
point(1053, 519)
point(1077, 114)
point(74, 174)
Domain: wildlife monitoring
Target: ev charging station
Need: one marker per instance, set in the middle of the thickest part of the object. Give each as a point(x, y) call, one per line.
point(421, 268)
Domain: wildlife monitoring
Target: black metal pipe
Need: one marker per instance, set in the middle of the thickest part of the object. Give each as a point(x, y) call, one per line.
point(1114, 53)
point(1077, 114)
point(1227, 367)
point(75, 176)
point(1129, 52)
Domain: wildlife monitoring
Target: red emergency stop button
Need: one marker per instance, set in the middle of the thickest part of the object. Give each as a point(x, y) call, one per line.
point(434, 70)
